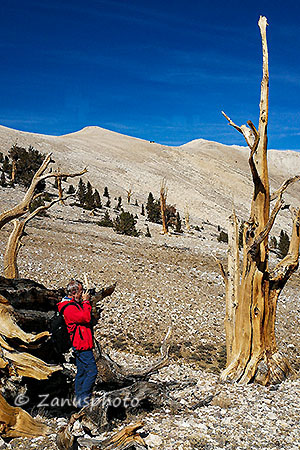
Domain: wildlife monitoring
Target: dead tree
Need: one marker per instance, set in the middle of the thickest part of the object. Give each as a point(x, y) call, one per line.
point(187, 218)
point(251, 300)
point(163, 206)
point(129, 194)
point(59, 187)
point(22, 209)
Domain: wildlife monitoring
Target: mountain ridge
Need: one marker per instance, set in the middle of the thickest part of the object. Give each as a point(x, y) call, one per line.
point(205, 176)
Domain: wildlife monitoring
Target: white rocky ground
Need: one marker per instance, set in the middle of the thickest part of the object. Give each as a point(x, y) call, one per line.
point(160, 281)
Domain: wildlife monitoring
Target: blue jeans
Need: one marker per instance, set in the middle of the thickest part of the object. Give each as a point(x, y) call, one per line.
point(85, 376)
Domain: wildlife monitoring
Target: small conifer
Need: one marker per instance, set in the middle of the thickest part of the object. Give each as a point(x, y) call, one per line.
point(3, 180)
point(125, 224)
point(6, 167)
point(119, 203)
point(71, 189)
point(89, 197)
point(223, 237)
point(81, 192)
point(153, 209)
point(178, 228)
point(97, 200)
point(283, 244)
point(106, 221)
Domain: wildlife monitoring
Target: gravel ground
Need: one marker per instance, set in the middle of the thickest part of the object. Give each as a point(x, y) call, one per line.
point(167, 280)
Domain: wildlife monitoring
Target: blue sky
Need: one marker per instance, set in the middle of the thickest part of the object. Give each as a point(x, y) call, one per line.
point(157, 70)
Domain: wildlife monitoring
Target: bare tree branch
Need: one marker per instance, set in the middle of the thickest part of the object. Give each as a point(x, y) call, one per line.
point(248, 134)
point(23, 207)
point(284, 186)
point(262, 236)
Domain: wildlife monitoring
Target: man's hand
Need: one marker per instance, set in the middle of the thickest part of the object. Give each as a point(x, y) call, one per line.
point(85, 297)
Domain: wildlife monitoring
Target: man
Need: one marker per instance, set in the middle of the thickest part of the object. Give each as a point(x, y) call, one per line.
point(76, 309)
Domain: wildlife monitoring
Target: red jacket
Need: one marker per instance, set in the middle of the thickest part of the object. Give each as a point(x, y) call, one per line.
point(78, 321)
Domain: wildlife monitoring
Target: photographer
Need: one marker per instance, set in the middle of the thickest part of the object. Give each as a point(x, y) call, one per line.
point(77, 312)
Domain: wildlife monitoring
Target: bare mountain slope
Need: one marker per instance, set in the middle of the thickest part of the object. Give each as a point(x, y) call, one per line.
point(207, 176)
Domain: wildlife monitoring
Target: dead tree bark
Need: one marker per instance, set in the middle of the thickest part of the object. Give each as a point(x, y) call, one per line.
point(59, 187)
point(129, 194)
point(163, 206)
point(252, 353)
point(14, 242)
point(187, 218)
point(15, 422)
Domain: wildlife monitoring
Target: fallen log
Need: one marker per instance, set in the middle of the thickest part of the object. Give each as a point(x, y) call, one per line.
point(135, 395)
point(124, 439)
point(110, 373)
point(15, 422)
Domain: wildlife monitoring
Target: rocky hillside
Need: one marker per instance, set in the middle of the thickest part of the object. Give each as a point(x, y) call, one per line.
point(166, 280)
point(206, 176)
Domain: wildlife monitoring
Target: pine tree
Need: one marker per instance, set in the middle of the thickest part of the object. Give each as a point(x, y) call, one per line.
point(106, 193)
point(148, 234)
point(71, 189)
point(136, 203)
point(178, 228)
point(6, 166)
point(143, 210)
point(119, 203)
point(2, 180)
point(153, 209)
point(125, 224)
point(1, 157)
point(108, 203)
point(283, 245)
point(97, 200)
point(25, 164)
point(223, 237)
point(106, 221)
point(273, 242)
point(89, 197)
point(81, 192)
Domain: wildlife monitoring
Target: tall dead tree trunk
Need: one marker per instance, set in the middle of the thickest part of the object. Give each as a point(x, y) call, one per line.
point(252, 353)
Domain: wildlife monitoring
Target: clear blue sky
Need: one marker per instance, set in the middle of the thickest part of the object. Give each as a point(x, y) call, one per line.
point(158, 70)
